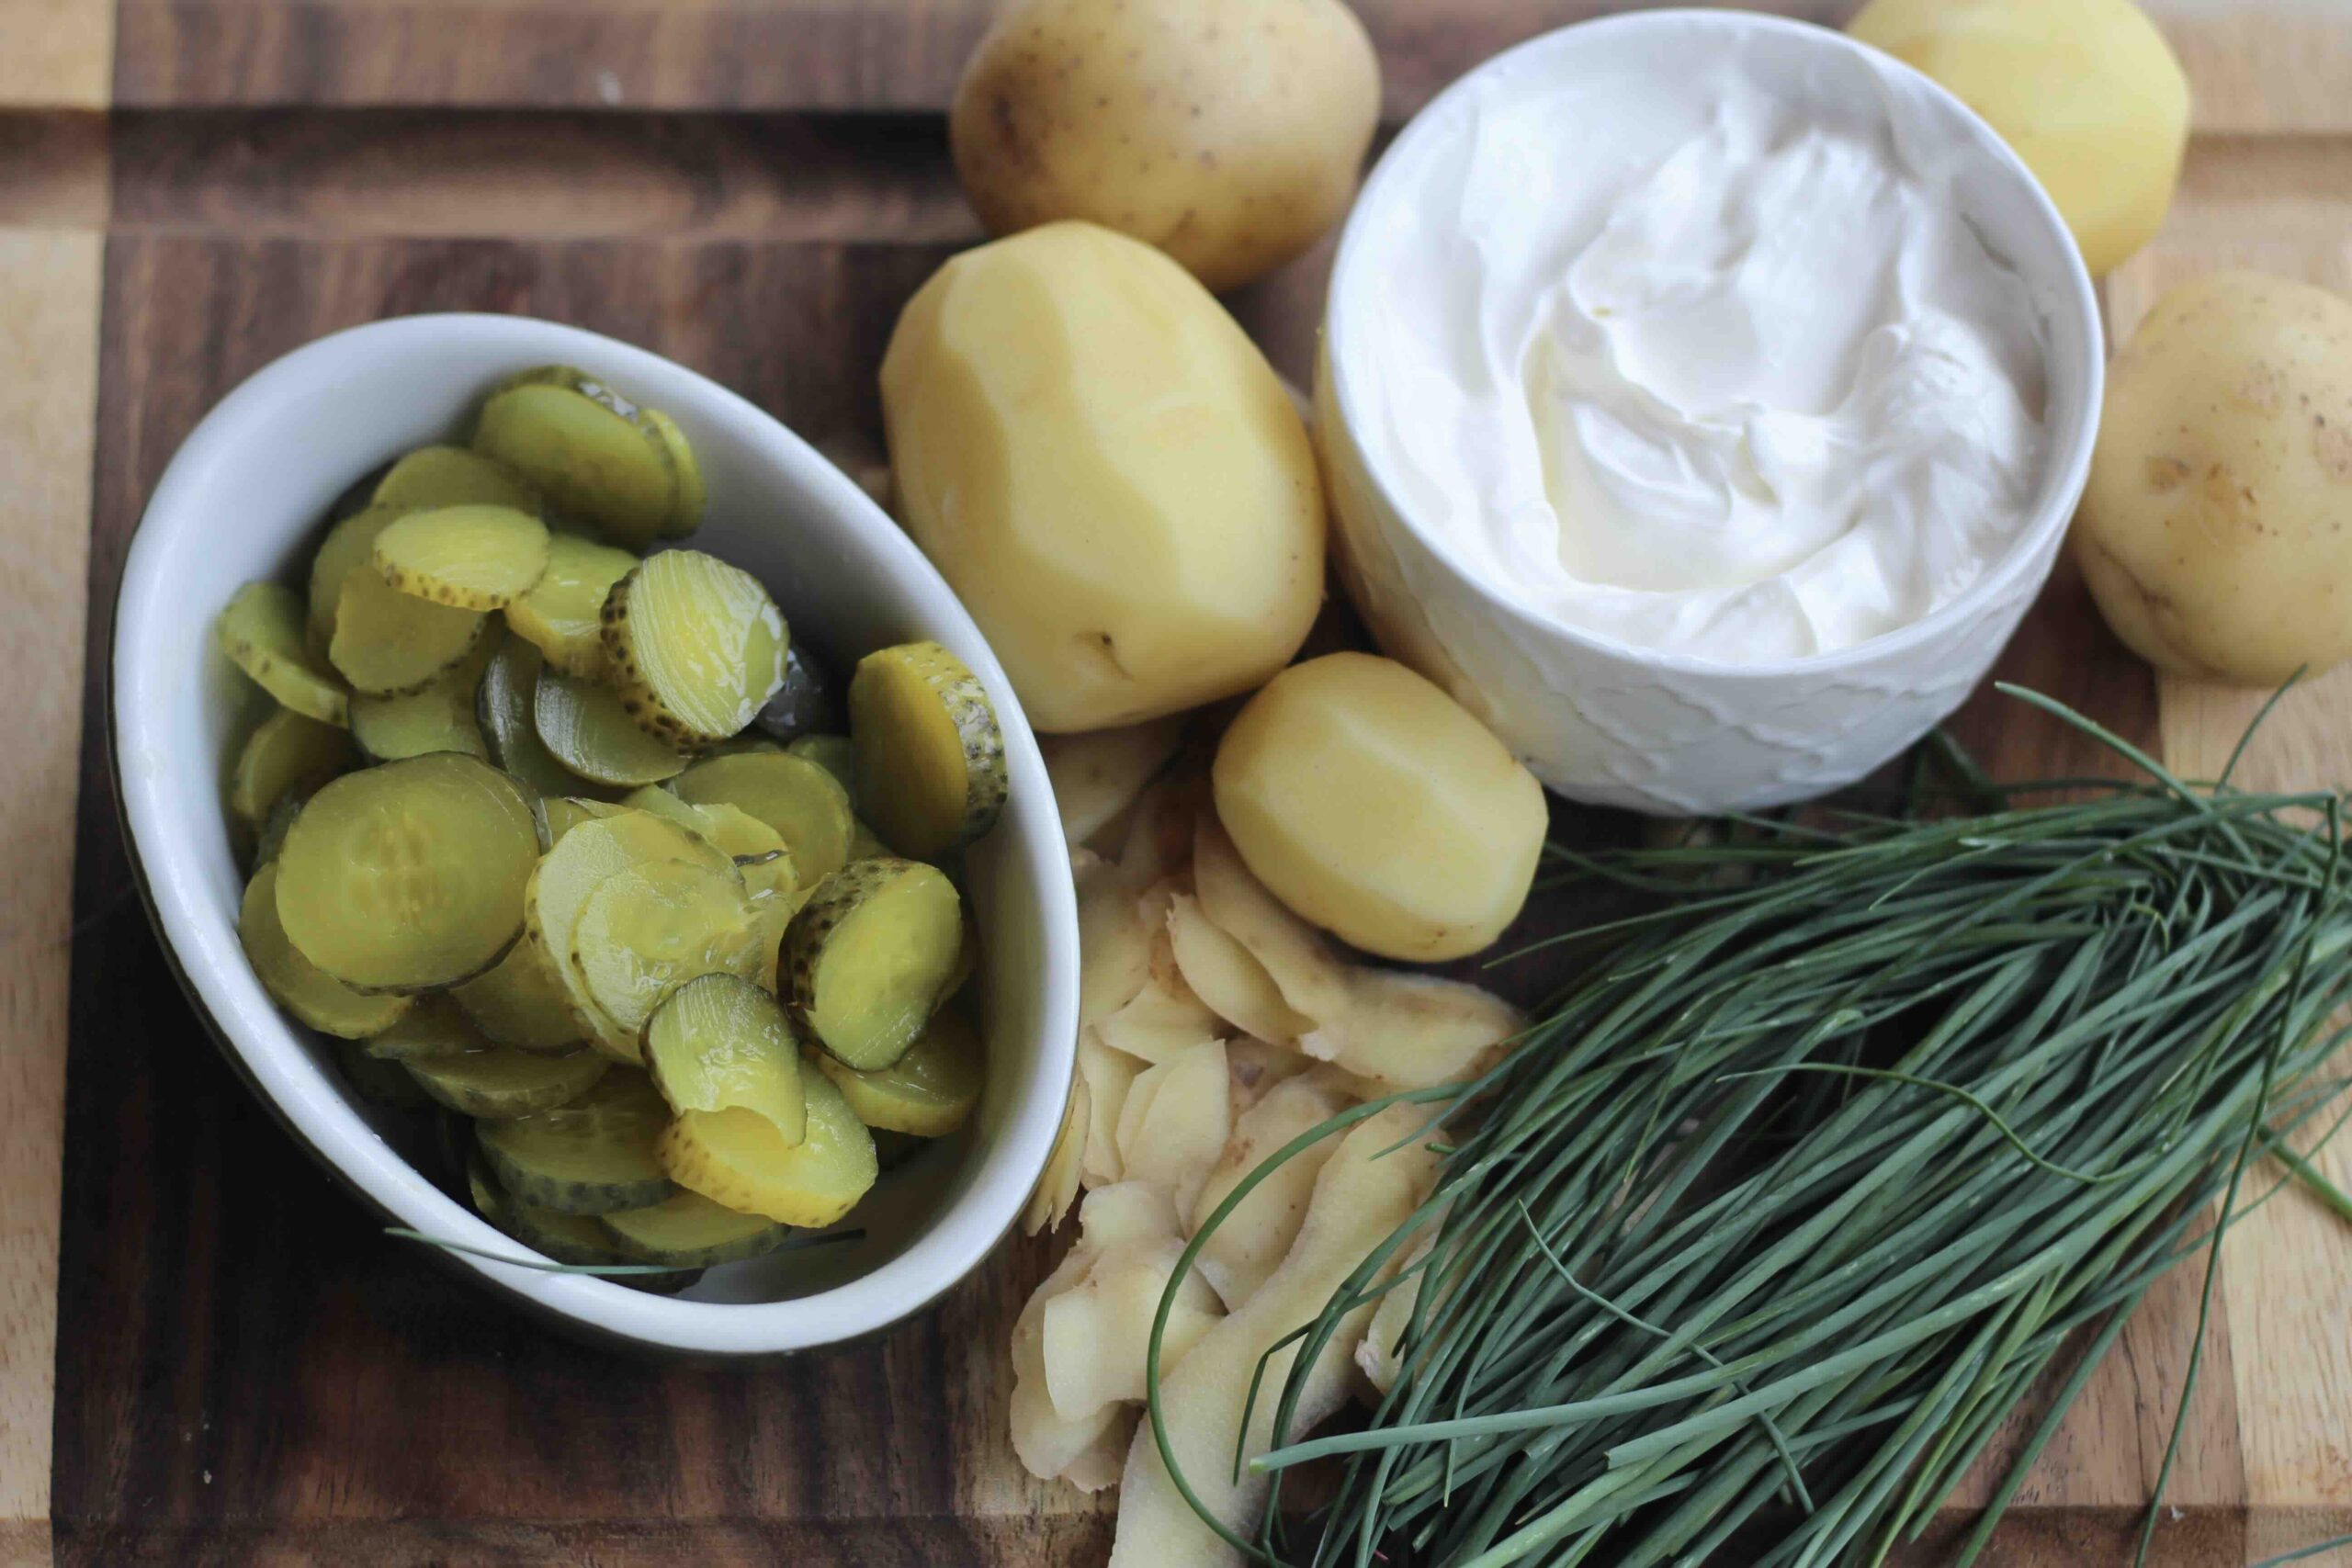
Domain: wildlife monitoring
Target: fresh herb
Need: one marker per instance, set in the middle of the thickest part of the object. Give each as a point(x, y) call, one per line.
point(1773, 1219)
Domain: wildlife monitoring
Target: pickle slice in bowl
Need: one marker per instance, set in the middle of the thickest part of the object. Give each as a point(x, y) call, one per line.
point(408, 876)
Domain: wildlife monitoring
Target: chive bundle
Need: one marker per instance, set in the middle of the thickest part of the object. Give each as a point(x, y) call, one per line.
point(1769, 1223)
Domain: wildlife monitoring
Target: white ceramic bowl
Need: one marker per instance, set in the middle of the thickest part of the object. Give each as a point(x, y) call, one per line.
point(242, 499)
point(1651, 730)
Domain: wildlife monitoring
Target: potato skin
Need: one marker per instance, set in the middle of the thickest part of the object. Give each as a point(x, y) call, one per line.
point(1107, 470)
point(1375, 806)
point(2086, 91)
point(2213, 534)
point(1226, 132)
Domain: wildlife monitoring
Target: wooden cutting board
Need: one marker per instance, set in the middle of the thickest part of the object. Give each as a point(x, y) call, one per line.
point(206, 1352)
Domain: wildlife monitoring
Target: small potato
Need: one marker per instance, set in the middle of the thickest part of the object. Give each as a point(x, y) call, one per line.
point(1374, 806)
point(2212, 533)
point(2086, 91)
point(1226, 132)
point(1108, 472)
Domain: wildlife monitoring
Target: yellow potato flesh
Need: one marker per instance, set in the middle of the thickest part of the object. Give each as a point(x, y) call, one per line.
point(2212, 533)
point(2086, 91)
point(1109, 474)
point(1372, 805)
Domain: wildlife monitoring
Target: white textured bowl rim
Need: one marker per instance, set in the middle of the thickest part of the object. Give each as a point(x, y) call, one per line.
point(198, 942)
point(2070, 469)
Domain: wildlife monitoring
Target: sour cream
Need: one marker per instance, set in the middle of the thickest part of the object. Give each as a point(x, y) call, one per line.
point(1715, 366)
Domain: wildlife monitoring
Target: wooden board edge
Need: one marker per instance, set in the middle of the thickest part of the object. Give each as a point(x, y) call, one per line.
point(50, 291)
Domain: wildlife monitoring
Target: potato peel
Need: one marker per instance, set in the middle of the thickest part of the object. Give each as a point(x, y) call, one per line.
point(1369, 1188)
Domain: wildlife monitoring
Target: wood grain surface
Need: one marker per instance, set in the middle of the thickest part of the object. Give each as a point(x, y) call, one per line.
point(245, 1372)
point(49, 317)
point(2266, 65)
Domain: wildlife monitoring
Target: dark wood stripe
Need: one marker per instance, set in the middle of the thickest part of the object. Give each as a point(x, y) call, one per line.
point(861, 55)
point(872, 1542)
point(430, 174)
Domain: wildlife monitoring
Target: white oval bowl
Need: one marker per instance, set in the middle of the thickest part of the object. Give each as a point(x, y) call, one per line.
point(1651, 730)
point(242, 499)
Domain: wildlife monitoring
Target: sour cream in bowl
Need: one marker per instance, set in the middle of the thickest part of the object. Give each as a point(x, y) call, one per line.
point(1705, 397)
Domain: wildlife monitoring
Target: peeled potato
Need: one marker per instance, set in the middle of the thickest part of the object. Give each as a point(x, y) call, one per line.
point(2086, 91)
point(1373, 804)
point(1226, 132)
point(1108, 472)
point(2212, 533)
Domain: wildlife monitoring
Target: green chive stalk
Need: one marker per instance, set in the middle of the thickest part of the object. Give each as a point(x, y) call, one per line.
point(1768, 1224)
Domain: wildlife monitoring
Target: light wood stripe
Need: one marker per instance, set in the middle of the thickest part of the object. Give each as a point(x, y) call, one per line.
point(2287, 1272)
point(56, 54)
point(49, 285)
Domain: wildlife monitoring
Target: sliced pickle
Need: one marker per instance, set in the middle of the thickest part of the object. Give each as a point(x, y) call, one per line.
point(272, 837)
point(521, 1003)
point(738, 1158)
point(586, 855)
point(869, 957)
point(560, 814)
point(696, 646)
point(758, 851)
point(928, 1092)
point(837, 754)
point(929, 751)
point(433, 1028)
point(587, 451)
point(497, 1084)
point(262, 631)
point(805, 805)
point(451, 476)
point(719, 1042)
point(436, 716)
point(772, 915)
point(314, 996)
point(349, 546)
point(686, 510)
point(387, 641)
point(742, 745)
point(562, 615)
point(585, 726)
point(594, 1155)
point(688, 1231)
point(408, 876)
point(386, 1083)
point(505, 705)
point(645, 931)
point(472, 556)
point(564, 1238)
point(808, 703)
point(662, 804)
point(287, 754)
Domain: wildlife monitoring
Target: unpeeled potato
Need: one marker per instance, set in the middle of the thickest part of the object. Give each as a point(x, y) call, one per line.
point(1226, 132)
point(2214, 531)
point(1374, 806)
point(2086, 91)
